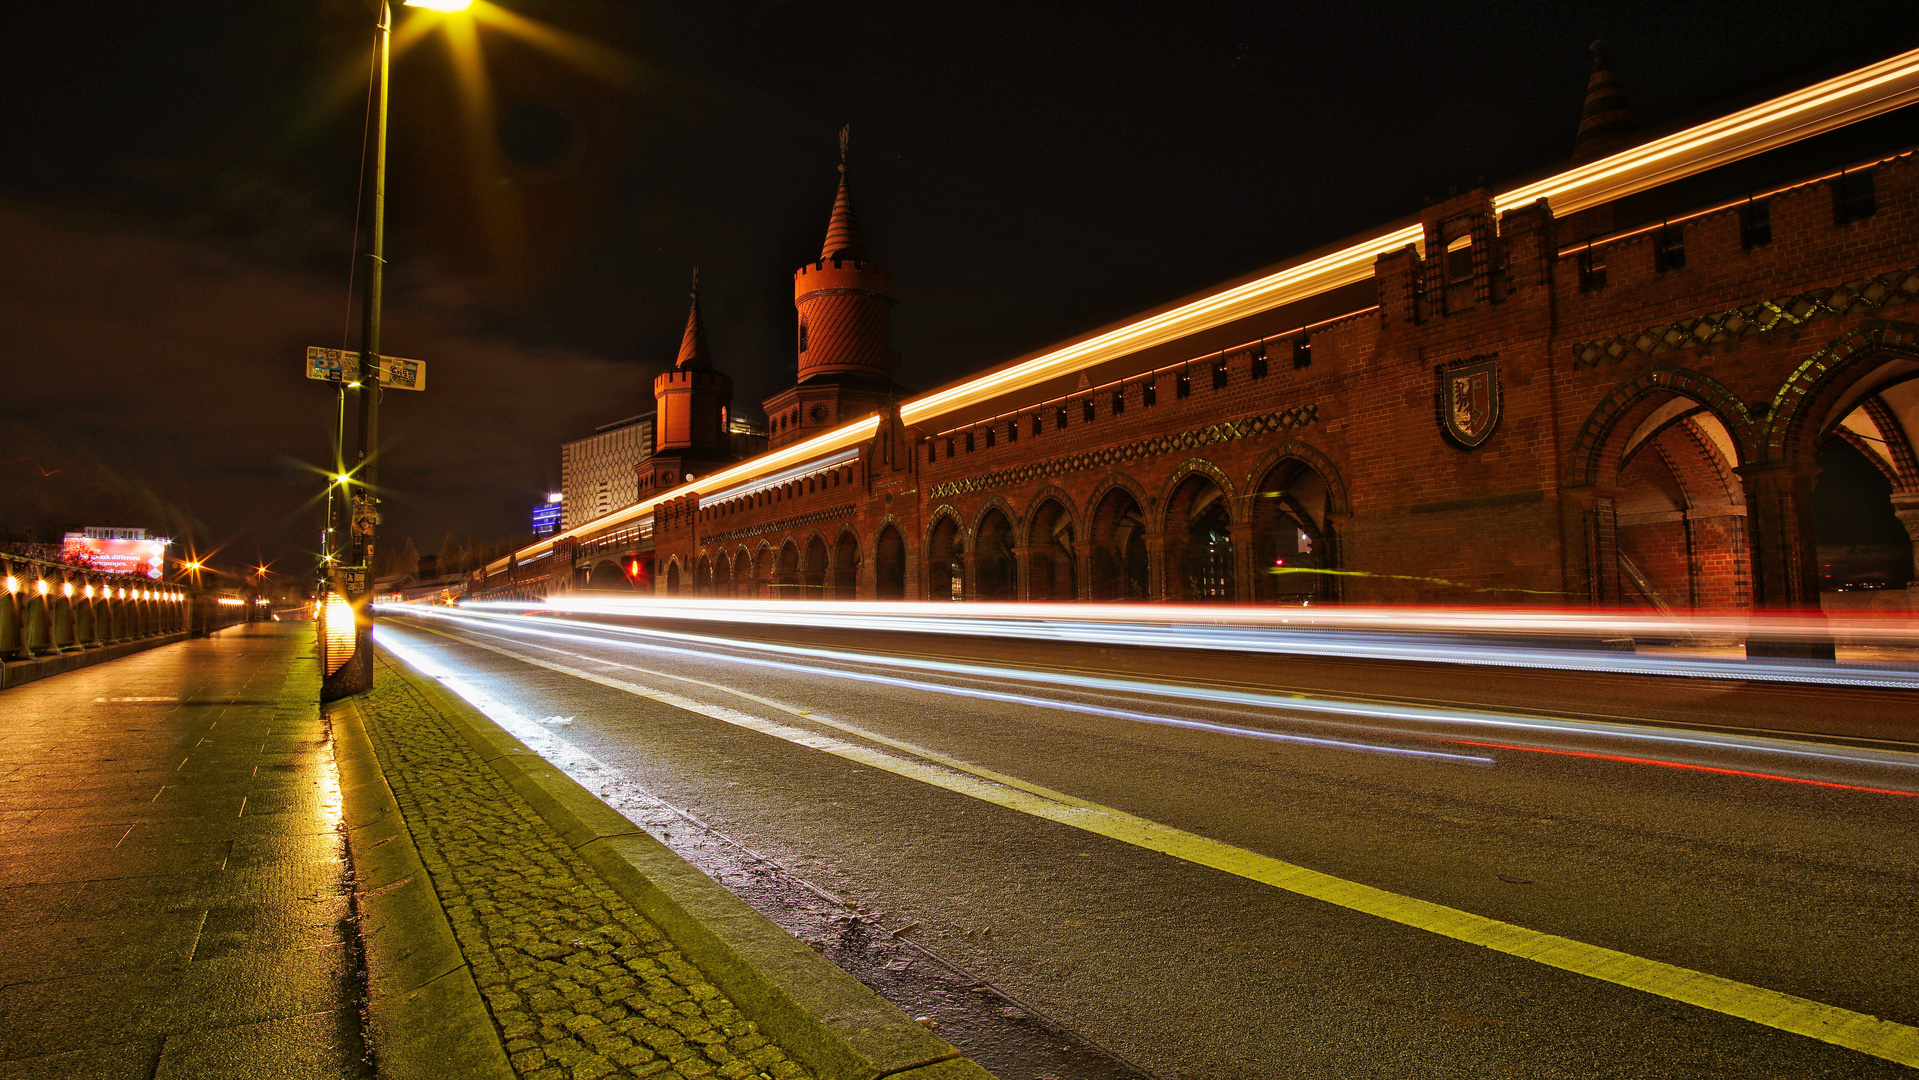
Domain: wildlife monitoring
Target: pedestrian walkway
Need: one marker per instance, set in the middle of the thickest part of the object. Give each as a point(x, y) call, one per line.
point(174, 893)
point(580, 984)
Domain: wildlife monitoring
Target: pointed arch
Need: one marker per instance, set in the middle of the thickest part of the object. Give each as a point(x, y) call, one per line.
point(1829, 383)
point(1594, 450)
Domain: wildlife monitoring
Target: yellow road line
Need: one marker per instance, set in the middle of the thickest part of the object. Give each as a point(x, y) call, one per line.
point(1786, 1012)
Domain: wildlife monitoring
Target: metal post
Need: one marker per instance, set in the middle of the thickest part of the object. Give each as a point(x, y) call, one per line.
point(361, 510)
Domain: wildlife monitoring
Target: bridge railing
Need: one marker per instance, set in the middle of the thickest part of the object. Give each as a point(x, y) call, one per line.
point(48, 608)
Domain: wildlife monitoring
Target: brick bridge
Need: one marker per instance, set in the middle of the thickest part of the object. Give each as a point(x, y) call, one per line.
point(1530, 396)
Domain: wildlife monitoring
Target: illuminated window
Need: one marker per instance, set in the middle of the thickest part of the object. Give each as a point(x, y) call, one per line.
point(1755, 224)
point(1459, 260)
point(1182, 384)
point(1148, 393)
point(1259, 363)
point(1219, 375)
point(1302, 354)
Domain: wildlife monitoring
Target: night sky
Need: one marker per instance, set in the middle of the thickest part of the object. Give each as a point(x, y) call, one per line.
point(178, 182)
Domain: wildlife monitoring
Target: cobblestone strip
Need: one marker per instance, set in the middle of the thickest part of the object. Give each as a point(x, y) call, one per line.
point(581, 985)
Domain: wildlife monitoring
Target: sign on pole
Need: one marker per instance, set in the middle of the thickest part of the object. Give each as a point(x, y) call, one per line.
point(343, 366)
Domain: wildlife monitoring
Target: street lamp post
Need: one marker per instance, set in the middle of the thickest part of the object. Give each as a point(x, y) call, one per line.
point(360, 507)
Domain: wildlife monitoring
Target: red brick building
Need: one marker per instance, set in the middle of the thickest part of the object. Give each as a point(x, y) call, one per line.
point(1528, 396)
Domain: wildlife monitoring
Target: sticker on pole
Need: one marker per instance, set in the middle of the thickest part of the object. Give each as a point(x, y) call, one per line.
point(343, 366)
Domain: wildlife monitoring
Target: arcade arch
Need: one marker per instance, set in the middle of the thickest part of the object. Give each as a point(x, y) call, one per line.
point(1051, 563)
point(1120, 566)
point(945, 559)
point(1199, 541)
point(889, 564)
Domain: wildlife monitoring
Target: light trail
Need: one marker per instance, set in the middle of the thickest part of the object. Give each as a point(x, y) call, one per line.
point(1684, 765)
point(1010, 698)
point(1368, 633)
point(1317, 709)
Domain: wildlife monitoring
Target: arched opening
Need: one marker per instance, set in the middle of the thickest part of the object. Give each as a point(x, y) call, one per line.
point(722, 577)
point(1199, 543)
point(786, 578)
point(1292, 536)
point(889, 565)
point(703, 577)
point(673, 579)
point(1865, 501)
point(608, 576)
point(1119, 548)
point(1665, 527)
point(1051, 573)
point(993, 568)
point(846, 567)
point(945, 561)
point(813, 569)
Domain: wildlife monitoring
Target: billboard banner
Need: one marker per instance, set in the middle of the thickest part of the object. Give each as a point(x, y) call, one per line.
point(343, 366)
point(144, 557)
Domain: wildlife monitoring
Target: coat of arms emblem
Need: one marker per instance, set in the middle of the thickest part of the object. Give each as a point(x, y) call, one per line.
point(1469, 400)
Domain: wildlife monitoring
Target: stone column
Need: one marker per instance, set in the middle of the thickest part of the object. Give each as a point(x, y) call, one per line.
point(1785, 563)
point(1023, 574)
point(1082, 570)
point(1156, 589)
point(1905, 506)
point(1245, 574)
point(969, 575)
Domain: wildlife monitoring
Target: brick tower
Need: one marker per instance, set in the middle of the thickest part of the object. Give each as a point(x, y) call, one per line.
point(690, 413)
point(846, 355)
point(1605, 124)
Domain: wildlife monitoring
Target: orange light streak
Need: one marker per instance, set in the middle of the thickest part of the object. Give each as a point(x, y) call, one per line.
point(1845, 99)
point(1683, 765)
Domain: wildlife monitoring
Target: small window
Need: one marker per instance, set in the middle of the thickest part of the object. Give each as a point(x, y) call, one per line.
point(1459, 260)
point(1182, 384)
point(1012, 430)
point(1119, 399)
point(1039, 423)
point(932, 453)
point(1592, 271)
point(802, 335)
point(969, 442)
point(1086, 410)
point(1755, 224)
point(1302, 354)
point(949, 448)
point(1219, 375)
point(1258, 365)
point(1669, 248)
point(989, 438)
point(1853, 198)
point(1148, 393)
point(1059, 417)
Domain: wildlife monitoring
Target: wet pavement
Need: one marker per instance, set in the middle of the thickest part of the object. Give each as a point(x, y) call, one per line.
point(174, 892)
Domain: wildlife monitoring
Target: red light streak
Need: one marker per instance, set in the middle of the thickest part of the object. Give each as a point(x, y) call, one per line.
point(1682, 765)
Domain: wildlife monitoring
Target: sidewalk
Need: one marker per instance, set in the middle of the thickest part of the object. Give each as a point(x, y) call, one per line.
point(201, 875)
point(174, 896)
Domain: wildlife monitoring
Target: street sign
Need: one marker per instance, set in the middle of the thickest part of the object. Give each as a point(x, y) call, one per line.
point(343, 366)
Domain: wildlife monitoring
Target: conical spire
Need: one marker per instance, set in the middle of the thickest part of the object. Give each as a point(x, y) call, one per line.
point(842, 234)
point(1605, 124)
point(693, 352)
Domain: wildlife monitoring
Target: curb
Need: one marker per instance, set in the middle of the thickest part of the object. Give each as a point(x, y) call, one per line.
point(17, 672)
point(825, 1018)
point(425, 1016)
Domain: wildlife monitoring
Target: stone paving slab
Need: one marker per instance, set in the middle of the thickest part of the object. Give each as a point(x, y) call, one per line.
point(579, 984)
point(174, 899)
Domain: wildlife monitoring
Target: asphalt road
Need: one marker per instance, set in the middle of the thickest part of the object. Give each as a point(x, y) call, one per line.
point(1650, 816)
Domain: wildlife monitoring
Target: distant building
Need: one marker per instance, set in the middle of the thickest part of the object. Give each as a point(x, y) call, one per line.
point(747, 437)
point(546, 515)
point(597, 473)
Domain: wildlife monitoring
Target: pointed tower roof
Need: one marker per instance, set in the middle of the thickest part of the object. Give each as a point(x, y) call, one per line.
point(693, 352)
point(1605, 124)
point(842, 233)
